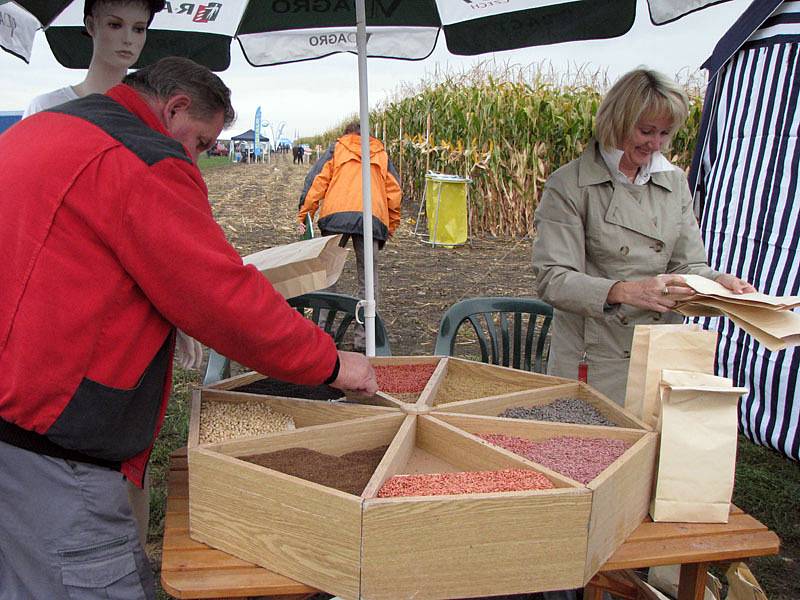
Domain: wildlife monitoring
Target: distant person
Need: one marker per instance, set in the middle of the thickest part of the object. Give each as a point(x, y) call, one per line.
point(615, 232)
point(297, 155)
point(109, 244)
point(334, 182)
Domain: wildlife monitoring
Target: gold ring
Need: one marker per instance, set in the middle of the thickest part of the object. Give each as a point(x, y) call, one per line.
point(665, 291)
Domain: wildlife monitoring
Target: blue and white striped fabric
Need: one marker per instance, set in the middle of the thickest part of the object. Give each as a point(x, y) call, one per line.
point(750, 174)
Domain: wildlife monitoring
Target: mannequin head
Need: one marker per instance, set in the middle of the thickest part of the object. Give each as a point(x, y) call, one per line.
point(118, 29)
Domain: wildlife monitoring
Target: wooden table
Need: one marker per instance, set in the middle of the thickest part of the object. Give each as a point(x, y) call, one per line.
point(191, 569)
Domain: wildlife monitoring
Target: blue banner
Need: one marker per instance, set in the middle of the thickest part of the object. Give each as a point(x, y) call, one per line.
point(257, 133)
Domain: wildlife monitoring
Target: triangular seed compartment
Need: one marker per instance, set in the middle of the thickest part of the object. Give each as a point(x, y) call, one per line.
point(221, 415)
point(444, 546)
point(620, 492)
point(301, 529)
point(465, 380)
point(406, 380)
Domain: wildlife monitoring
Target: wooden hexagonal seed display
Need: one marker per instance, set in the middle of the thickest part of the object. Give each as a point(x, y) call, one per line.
point(487, 529)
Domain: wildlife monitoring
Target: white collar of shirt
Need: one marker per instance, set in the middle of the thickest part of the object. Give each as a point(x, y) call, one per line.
point(658, 163)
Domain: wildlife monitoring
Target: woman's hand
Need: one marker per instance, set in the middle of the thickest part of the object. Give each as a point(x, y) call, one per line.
point(734, 284)
point(660, 293)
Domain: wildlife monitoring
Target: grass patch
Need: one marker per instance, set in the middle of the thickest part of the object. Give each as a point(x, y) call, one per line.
point(768, 487)
point(209, 163)
point(173, 435)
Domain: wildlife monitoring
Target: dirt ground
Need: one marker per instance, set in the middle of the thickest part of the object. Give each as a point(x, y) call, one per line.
point(256, 205)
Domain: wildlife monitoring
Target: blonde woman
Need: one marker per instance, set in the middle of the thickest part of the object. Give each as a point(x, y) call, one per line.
point(615, 231)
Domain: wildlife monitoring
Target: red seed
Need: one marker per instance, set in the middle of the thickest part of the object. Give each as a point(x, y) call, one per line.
point(468, 482)
point(403, 378)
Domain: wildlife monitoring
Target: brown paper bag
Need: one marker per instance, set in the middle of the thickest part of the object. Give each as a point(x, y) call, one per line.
point(742, 585)
point(301, 267)
point(697, 456)
point(657, 347)
point(667, 578)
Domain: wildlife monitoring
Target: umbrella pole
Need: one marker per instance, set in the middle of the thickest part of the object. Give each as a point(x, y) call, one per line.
point(366, 184)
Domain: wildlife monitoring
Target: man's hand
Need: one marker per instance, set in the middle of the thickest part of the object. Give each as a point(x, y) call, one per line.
point(355, 374)
point(301, 227)
point(734, 284)
point(188, 351)
point(660, 293)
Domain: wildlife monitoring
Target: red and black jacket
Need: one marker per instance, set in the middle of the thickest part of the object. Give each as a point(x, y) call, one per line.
point(107, 244)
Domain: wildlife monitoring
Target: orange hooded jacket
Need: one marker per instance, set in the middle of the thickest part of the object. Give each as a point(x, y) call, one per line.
point(335, 183)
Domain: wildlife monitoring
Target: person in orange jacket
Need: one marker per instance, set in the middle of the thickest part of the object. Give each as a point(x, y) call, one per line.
point(332, 191)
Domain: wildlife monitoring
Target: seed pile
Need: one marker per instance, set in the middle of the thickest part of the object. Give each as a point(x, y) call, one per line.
point(221, 421)
point(562, 410)
point(276, 387)
point(469, 386)
point(581, 459)
point(348, 473)
point(403, 378)
point(467, 482)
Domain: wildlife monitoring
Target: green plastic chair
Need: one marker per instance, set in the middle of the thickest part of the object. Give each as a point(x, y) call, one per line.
point(505, 337)
point(340, 312)
point(309, 234)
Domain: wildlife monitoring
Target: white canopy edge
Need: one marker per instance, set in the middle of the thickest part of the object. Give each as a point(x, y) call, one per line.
point(664, 11)
point(271, 48)
point(17, 29)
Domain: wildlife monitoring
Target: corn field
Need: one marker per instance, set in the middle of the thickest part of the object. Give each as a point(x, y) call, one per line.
point(507, 130)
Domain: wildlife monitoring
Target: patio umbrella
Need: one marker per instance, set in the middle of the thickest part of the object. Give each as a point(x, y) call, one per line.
point(272, 32)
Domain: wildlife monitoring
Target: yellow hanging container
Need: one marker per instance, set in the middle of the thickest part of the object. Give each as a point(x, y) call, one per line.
point(446, 206)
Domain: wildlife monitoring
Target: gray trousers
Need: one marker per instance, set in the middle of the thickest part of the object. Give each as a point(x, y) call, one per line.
point(359, 337)
point(67, 532)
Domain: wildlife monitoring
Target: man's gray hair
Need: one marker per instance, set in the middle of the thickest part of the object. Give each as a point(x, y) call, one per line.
point(174, 75)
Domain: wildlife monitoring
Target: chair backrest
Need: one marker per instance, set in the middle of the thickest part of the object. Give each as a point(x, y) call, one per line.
point(334, 313)
point(309, 234)
point(504, 336)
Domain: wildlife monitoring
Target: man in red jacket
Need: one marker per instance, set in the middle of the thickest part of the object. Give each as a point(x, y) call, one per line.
point(108, 245)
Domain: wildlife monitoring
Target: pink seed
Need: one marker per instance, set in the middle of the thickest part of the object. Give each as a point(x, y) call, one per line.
point(581, 459)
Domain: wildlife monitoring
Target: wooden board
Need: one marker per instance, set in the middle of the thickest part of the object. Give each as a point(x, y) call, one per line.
point(493, 406)
point(620, 501)
point(473, 545)
point(536, 430)
point(300, 529)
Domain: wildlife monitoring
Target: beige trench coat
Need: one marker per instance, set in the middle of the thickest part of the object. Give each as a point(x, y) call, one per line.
point(593, 232)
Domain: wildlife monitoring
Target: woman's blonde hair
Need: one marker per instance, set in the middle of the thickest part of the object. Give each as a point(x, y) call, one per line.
point(639, 93)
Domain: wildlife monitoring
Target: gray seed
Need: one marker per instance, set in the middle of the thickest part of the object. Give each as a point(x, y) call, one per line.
point(562, 410)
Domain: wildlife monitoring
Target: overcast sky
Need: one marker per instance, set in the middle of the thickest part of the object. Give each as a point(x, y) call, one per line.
point(312, 96)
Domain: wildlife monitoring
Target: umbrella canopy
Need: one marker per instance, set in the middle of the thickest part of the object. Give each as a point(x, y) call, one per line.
point(17, 28)
point(272, 32)
point(278, 31)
